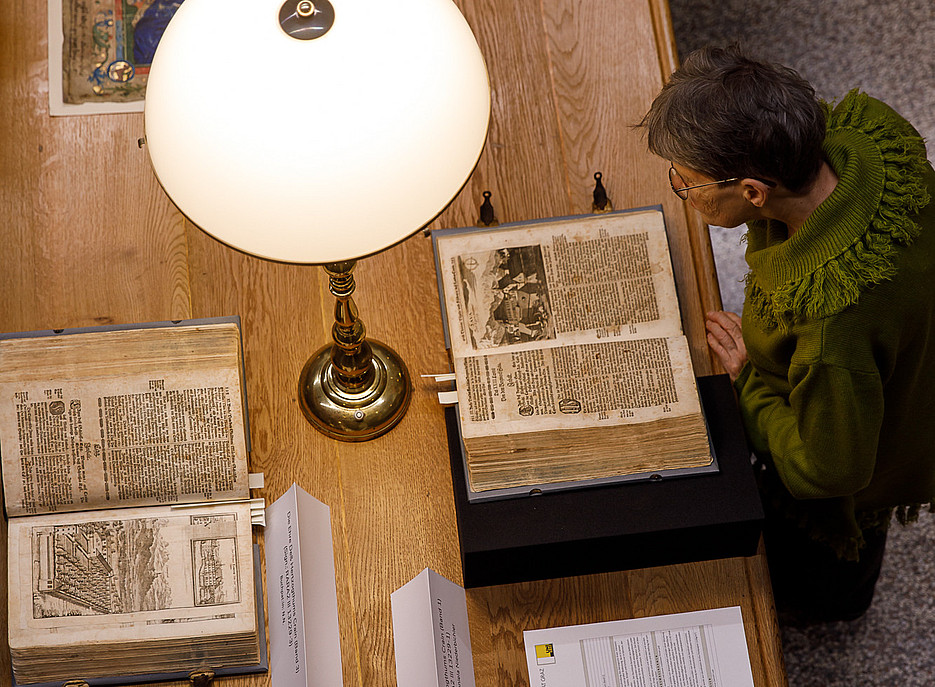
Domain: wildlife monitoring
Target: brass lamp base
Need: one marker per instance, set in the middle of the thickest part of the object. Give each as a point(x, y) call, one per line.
point(360, 414)
point(355, 389)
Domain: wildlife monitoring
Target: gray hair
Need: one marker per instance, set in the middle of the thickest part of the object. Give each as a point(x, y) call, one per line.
point(726, 115)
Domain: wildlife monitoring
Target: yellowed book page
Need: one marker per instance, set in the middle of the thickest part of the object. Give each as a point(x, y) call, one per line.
point(129, 575)
point(122, 418)
point(610, 383)
point(558, 282)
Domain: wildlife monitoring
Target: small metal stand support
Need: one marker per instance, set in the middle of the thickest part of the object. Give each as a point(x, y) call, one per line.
point(201, 678)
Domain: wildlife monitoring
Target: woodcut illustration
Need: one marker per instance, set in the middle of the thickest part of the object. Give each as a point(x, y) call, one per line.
point(129, 566)
point(506, 296)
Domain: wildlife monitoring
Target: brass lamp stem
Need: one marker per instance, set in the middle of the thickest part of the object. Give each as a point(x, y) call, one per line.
point(351, 354)
point(355, 389)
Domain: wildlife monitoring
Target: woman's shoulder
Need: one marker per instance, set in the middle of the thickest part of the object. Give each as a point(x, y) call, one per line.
point(858, 109)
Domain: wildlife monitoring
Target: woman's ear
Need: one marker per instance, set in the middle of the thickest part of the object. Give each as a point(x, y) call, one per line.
point(755, 191)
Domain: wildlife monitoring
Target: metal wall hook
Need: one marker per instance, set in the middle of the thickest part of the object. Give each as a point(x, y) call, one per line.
point(601, 202)
point(488, 217)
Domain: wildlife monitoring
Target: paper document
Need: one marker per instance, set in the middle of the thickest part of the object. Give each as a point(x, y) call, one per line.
point(699, 649)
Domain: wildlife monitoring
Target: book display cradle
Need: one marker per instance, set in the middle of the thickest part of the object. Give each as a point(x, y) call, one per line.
point(634, 519)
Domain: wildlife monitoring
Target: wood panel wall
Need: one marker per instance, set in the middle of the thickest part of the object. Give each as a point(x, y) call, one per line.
point(88, 237)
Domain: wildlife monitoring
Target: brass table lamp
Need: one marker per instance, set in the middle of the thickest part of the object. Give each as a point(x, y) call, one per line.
point(317, 132)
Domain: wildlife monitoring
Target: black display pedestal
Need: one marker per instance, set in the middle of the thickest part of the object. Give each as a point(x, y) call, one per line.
point(619, 527)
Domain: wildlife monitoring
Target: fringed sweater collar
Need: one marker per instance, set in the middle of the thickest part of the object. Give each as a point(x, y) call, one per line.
point(851, 240)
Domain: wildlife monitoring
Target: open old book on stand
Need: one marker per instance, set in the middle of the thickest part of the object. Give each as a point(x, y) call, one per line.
point(115, 442)
point(570, 363)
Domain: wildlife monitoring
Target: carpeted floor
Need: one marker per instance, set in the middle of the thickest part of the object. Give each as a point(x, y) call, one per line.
point(886, 48)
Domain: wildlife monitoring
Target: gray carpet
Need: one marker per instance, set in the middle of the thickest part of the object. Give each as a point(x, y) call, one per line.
point(886, 48)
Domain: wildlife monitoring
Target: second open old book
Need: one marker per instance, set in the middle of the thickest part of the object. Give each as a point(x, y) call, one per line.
point(569, 357)
point(125, 480)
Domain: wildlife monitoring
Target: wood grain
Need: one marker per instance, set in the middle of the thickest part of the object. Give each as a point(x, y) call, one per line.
point(87, 228)
point(90, 238)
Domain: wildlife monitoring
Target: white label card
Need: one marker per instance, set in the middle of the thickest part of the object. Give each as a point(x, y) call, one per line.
point(304, 639)
point(430, 633)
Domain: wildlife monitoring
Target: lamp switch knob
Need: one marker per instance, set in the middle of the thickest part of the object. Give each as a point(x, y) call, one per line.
point(306, 19)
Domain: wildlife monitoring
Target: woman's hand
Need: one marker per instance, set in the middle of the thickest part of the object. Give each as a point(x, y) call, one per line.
point(726, 340)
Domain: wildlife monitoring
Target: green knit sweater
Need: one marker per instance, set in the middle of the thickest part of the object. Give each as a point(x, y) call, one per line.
point(839, 324)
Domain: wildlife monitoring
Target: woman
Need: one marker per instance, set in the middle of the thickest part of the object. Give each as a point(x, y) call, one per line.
point(835, 354)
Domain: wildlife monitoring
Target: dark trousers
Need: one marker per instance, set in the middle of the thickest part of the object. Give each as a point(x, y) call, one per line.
point(810, 583)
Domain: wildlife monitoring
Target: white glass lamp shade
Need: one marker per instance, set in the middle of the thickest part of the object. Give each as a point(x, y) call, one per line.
point(315, 151)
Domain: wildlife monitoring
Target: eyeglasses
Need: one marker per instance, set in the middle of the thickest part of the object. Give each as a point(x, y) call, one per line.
point(682, 189)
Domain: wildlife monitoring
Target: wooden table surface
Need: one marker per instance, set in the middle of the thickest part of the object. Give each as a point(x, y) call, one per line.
point(89, 238)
